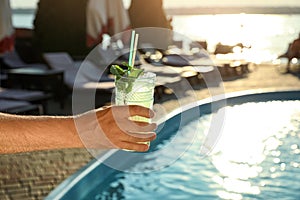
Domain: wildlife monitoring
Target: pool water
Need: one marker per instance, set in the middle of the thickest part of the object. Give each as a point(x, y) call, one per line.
point(256, 157)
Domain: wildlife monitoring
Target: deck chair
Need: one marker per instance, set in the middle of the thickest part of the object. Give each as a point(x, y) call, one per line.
point(79, 75)
point(35, 97)
point(12, 60)
point(83, 78)
point(19, 107)
point(62, 61)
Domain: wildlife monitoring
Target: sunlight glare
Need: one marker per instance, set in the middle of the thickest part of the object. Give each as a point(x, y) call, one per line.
point(230, 29)
point(241, 148)
point(229, 195)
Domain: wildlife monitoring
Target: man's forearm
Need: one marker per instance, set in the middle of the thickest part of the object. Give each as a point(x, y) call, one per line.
point(30, 133)
point(103, 128)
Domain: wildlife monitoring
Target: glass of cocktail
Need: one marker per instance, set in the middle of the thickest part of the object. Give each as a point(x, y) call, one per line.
point(136, 91)
point(133, 86)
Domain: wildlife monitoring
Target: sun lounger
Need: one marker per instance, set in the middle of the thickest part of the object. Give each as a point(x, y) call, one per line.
point(84, 79)
point(62, 61)
point(3, 79)
point(12, 60)
point(18, 94)
point(19, 107)
point(37, 79)
point(35, 97)
point(79, 75)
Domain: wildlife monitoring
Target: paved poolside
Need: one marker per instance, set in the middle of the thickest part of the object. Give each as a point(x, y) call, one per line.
point(33, 175)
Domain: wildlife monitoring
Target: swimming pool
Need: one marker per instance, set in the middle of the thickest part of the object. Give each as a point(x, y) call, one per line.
point(256, 157)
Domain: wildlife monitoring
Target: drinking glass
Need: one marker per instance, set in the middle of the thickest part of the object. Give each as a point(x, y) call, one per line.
point(136, 91)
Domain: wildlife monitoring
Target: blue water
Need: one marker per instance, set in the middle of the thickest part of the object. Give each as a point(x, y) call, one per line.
point(257, 157)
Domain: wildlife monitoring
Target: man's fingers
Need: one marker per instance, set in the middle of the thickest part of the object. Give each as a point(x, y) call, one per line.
point(141, 111)
point(134, 146)
point(138, 137)
point(133, 110)
point(134, 126)
point(117, 123)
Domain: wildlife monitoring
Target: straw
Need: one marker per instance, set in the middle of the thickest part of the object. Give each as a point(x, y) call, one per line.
point(131, 48)
point(135, 48)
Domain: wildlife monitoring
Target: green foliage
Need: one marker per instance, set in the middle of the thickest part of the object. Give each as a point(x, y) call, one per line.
point(131, 73)
point(117, 71)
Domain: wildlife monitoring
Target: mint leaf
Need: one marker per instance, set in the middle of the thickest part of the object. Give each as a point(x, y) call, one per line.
point(129, 68)
point(117, 71)
point(134, 73)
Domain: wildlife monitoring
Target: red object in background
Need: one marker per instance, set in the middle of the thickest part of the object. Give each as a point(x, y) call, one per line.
point(6, 27)
point(105, 17)
point(7, 44)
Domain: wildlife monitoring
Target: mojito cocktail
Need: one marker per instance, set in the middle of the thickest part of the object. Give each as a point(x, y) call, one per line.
point(136, 91)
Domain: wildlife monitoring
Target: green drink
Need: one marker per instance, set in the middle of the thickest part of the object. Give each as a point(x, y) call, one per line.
point(136, 91)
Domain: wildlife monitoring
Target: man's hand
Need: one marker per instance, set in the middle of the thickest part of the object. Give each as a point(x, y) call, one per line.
point(111, 127)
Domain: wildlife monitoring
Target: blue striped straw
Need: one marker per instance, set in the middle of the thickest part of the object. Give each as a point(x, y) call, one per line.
point(131, 48)
point(136, 39)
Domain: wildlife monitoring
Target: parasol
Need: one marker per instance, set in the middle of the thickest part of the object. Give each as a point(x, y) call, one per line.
point(105, 16)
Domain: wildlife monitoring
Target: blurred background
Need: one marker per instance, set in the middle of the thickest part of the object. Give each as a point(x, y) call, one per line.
point(267, 26)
